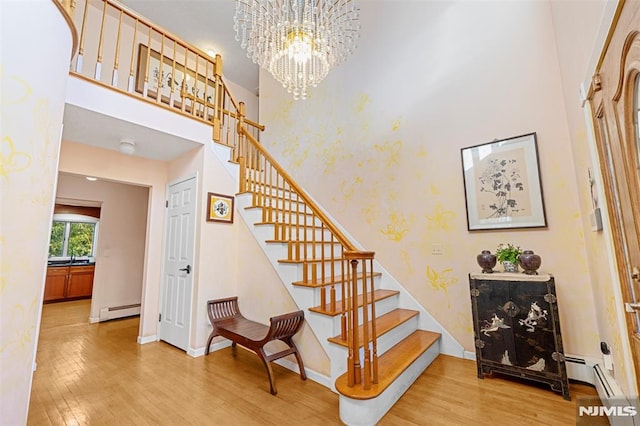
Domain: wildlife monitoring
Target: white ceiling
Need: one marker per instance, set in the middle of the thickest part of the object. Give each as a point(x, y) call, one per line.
point(103, 131)
point(208, 25)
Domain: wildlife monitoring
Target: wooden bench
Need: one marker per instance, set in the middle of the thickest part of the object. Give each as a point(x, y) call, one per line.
point(228, 322)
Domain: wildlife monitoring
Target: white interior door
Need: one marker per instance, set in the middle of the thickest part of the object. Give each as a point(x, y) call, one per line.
point(177, 283)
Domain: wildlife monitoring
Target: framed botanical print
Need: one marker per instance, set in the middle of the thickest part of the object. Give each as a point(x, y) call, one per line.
point(502, 184)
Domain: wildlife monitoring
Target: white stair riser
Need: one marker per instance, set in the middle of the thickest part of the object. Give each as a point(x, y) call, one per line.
point(279, 200)
point(291, 217)
point(253, 215)
point(387, 340)
point(337, 268)
point(369, 412)
point(315, 250)
point(301, 233)
point(382, 307)
point(399, 333)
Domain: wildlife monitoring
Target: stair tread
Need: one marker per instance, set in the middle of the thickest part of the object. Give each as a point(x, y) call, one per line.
point(378, 294)
point(391, 365)
point(384, 324)
point(338, 279)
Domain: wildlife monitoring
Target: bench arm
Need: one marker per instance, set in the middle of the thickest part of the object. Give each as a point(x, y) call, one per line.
point(285, 326)
point(222, 309)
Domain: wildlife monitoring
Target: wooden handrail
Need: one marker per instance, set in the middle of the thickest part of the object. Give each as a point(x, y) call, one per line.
point(237, 108)
point(67, 9)
point(233, 101)
point(314, 207)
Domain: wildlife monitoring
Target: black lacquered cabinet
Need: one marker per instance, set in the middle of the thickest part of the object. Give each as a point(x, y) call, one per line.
point(516, 327)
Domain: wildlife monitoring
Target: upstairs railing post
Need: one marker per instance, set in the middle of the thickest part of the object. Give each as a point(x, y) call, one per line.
point(219, 91)
point(82, 38)
point(241, 148)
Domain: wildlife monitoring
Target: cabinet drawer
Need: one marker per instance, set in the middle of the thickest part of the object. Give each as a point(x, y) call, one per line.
point(82, 269)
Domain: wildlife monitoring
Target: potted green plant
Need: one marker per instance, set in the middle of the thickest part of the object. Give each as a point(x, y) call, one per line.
point(508, 254)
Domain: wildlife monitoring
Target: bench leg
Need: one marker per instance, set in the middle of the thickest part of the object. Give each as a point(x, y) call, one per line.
point(267, 364)
point(303, 374)
point(211, 336)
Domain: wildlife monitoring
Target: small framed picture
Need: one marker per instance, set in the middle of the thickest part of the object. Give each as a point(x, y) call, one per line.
point(219, 208)
point(503, 189)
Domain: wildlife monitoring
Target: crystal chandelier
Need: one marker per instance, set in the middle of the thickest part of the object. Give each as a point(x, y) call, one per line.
point(297, 41)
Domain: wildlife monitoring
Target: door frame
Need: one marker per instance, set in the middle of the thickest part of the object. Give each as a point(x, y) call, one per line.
point(165, 248)
point(604, 119)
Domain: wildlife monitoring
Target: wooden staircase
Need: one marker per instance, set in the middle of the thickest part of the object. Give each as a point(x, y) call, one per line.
point(404, 350)
point(374, 321)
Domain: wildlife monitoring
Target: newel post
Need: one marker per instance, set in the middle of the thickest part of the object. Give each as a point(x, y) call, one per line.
point(353, 361)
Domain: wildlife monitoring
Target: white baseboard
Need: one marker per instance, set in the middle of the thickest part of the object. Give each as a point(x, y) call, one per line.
point(147, 339)
point(214, 347)
point(311, 374)
point(469, 355)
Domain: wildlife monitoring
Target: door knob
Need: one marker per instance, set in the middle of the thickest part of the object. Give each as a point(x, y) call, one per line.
point(187, 269)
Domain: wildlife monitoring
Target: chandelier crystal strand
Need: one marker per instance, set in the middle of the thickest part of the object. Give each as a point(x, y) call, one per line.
point(297, 41)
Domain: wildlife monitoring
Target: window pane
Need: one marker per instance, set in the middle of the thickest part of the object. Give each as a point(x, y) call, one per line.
point(81, 239)
point(57, 239)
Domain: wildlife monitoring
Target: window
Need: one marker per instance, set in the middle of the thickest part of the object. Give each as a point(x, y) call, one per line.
point(73, 236)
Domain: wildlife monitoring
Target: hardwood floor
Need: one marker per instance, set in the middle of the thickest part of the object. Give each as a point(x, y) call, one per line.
point(94, 374)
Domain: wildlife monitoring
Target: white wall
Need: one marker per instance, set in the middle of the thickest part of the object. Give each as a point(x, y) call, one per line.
point(121, 237)
point(31, 107)
point(378, 145)
point(106, 164)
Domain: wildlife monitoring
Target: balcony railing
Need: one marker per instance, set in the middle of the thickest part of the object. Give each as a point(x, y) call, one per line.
point(124, 51)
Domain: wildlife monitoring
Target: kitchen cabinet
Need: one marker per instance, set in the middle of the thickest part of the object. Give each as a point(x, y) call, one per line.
point(517, 329)
point(68, 282)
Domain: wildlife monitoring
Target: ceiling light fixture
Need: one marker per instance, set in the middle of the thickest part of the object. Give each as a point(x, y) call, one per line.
point(297, 41)
point(127, 146)
point(91, 178)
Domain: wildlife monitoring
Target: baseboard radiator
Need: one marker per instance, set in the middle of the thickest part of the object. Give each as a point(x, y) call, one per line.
point(615, 405)
point(115, 312)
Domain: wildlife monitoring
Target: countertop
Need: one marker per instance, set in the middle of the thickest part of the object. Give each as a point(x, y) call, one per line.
point(60, 264)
